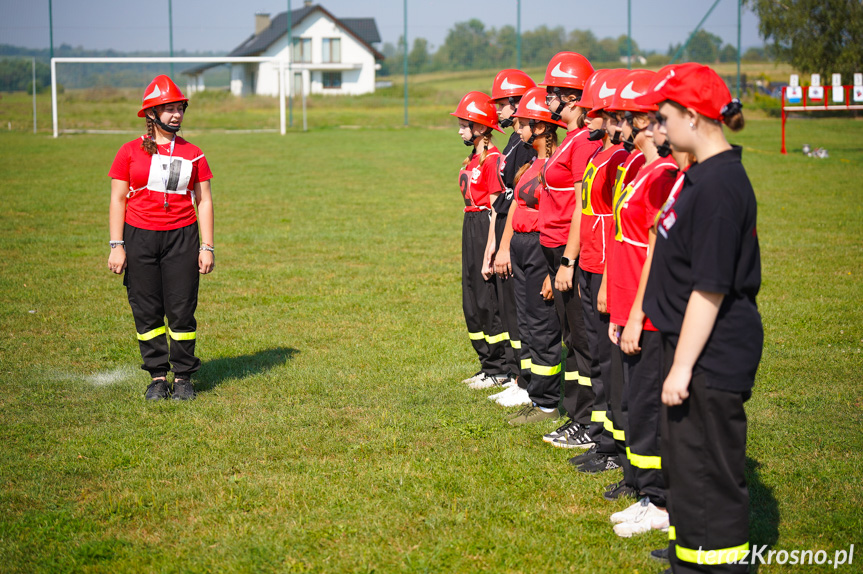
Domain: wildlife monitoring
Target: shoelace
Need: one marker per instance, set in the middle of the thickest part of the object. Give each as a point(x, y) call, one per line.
point(562, 429)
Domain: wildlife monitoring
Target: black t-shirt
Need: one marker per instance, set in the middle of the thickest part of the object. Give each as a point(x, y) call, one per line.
point(515, 155)
point(707, 241)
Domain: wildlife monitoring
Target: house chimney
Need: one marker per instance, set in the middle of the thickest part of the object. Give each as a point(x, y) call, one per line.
point(262, 22)
point(307, 3)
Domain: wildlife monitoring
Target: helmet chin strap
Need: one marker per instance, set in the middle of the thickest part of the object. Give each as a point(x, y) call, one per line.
point(615, 138)
point(555, 115)
point(664, 150)
point(470, 142)
point(505, 123)
point(596, 135)
point(163, 125)
point(628, 144)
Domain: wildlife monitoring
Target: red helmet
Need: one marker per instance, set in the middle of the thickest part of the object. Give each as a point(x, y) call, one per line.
point(510, 84)
point(604, 89)
point(477, 107)
point(162, 90)
point(633, 85)
point(532, 106)
point(586, 100)
point(567, 70)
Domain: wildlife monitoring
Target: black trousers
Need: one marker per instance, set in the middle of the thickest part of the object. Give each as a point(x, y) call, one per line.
point(641, 407)
point(577, 393)
point(479, 297)
point(704, 462)
point(603, 428)
point(507, 307)
point(162, 281)
point(538, 322)
point(618, 394)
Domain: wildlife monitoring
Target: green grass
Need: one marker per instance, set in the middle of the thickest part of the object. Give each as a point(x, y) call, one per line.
point(331, 433)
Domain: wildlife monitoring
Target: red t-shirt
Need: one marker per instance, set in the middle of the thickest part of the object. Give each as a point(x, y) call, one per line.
point(478, 182)
point(597, 191)
point(152, 183)
point(527, 197)
point(635, 212)
point(562, 170)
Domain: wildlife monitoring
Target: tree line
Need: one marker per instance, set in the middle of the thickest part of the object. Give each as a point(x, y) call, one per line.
point(470, 45)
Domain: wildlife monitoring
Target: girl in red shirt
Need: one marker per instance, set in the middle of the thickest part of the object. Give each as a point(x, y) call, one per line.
point(157, 182)
point(480, 183)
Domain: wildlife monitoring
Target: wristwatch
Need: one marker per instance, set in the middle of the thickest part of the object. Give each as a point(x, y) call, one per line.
point(567, 262)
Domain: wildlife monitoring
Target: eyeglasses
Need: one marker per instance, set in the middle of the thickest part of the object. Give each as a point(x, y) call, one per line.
point(551, 97)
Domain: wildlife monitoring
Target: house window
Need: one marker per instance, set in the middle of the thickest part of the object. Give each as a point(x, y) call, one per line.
point(332, 50)
point(332, 80)
point(302, 50)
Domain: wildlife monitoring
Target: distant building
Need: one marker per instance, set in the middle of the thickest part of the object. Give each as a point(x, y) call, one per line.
point(330, 55)
point(636, 59)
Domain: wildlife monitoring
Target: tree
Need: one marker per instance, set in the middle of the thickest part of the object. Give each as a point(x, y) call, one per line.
point(466, 47)
point(728, 53)
point(704, 47)
point(815, 36)
point(419, 56)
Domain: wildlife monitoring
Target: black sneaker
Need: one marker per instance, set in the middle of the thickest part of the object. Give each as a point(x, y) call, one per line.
point(559, 431)
point(184, 390)
point(575, 436)
point(620, 490)
point(157, 390)
point(660, 555)
point(584, 457)
point(599, 464)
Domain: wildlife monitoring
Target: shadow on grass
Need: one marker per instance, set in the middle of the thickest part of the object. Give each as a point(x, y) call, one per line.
point(215, 372)
point(763, 510)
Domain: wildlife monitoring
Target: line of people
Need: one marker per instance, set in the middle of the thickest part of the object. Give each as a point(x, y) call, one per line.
point(611, 274)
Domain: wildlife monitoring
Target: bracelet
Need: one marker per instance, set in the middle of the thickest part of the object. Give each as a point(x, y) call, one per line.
point(207, 247)
point(114, 244)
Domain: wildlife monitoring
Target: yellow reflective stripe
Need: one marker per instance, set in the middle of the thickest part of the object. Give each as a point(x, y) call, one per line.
point(515, 344)
point(526, 364)
point(598, 417)
point(570, 376)
point(544, 371)
point(616, 433)
point(496, 338)
point(182, 336)
point(584, 381)
point(642, 461)
point(151, 334)
point(476, 336)
point(672, 533)
point(712, 557)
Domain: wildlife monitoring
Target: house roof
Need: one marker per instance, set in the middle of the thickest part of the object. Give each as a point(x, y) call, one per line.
point(365, 30)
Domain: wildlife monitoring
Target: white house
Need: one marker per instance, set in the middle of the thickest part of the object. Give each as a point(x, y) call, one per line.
point(330, 55)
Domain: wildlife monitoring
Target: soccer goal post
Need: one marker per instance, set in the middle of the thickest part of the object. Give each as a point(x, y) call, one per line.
point(283, 65)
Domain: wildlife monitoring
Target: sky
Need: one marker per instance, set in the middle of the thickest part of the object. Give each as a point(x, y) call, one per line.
point(221, 25)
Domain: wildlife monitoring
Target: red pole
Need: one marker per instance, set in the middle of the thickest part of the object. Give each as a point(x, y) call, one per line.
point(783, 122)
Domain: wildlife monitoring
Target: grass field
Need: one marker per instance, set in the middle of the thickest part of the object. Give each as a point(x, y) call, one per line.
point(331, 433)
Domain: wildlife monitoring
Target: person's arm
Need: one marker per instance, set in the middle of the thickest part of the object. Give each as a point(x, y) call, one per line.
point(490, 244)
point(502, 261)
point(206, 259)
point(116, 218)
point(546, 291)
point(698, 321)
point(602, 296)
point(563, 281)
point(629, 341)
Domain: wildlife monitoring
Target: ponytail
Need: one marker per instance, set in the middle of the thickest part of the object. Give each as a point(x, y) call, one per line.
point(487, 139)
point(732, 115)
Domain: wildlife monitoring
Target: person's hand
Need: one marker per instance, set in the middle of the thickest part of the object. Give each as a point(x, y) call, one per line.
point(563, 279)
point(629, 342)
point(488, 262)
point(614, 333)
point(602, 297)
point(546, 291)
point(206, 262)
point(117, 260)
point(502, 263)
point(675, 389)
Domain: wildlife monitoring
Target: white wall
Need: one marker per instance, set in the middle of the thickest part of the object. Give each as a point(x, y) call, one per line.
point(316, 27)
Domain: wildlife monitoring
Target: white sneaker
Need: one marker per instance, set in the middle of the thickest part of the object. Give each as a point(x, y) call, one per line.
point(631, 512)
point(515, 396)
point(480, 375)
point(489, 381)
point(506, 387)
point(646, 517)
point(652, 519)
